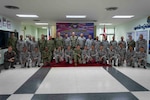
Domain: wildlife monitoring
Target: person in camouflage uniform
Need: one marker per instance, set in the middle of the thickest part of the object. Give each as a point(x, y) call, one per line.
point(24, 57)
point(77, 55)
point(141, 58)
point(42, 44)
point(59, 54)
point(68, 55)
point(47, 56)
point(12, 41)
point(73, 39)
point(141, 42)
point(51, 46)
point(59, 40)
point(131, 42)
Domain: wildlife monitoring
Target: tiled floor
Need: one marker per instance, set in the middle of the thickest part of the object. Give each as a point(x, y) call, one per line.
point(75, 83)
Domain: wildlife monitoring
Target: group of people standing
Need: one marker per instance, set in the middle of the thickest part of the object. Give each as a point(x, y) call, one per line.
point(75, 48)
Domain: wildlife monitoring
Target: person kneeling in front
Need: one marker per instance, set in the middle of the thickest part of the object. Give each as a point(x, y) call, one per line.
point(9, 58)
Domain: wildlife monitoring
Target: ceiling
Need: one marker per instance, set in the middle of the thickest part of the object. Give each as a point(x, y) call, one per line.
point(53, 11)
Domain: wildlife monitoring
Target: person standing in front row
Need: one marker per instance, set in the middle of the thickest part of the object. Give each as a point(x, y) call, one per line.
point(42, 44)
point(9, 58)
point(81, 41)
point(141, 42)
point(51, 46)
point(73, 39)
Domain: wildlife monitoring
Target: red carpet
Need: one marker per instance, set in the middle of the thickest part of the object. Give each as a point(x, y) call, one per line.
point(64, 64)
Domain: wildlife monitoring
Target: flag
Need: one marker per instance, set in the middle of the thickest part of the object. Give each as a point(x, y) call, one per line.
point(48, 33)
point(104, 32)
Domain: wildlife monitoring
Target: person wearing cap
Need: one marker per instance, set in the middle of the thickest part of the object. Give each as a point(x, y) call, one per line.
point(131, 42)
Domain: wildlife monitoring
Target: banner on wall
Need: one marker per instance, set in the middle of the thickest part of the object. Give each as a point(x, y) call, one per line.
point(144, 32)
point(85, 28)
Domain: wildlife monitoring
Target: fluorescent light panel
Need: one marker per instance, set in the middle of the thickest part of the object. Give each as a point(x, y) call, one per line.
point(24, 15)
point(105, 24)
point(44, 27)
point(41, 23)
point(75, 16)
point(123, 16)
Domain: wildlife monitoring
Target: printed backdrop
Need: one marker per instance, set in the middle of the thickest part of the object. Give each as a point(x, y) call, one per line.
point(85, 28)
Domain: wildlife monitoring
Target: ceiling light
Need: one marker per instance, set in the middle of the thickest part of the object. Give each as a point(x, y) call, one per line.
point(105, 24)
point(75, 16)
point(123, 16)
point(23, 15)
point(44, 27)
point(41, 23)
point(111, 8)
point(11, 7)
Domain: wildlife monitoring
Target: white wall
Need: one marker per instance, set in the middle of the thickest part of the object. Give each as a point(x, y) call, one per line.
point(123, 29)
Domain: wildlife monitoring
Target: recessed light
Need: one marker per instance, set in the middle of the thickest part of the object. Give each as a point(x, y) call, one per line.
point(75, 16)
point(111, 8)
point(41, 23)
point(123, 16)
point(105, 24)
point(44, 27)
point(24, 15)
point(11, 7)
